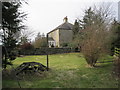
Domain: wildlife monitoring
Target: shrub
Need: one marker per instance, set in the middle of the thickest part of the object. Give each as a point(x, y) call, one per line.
point(94, 34)
point(64, 44)
point(26, 46)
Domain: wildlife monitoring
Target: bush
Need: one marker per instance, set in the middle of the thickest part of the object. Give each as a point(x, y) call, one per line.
point(91, 56)
point(26, 46)
point(94, 34)
point(64, 44)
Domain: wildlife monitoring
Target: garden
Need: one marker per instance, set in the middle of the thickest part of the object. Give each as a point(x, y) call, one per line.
point(96, 64)
point(65, 71)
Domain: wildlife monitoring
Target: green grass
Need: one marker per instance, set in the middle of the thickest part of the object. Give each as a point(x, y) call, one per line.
point(66, 71)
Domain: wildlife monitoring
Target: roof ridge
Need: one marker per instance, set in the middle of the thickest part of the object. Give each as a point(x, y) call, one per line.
point(63, 26)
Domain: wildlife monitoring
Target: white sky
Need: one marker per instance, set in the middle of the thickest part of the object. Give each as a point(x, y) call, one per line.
point(45, 15)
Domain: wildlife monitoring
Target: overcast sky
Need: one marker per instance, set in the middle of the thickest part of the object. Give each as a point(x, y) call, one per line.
point(45, 15)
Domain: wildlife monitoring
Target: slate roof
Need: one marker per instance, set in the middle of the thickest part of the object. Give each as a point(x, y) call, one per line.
point(64, 26)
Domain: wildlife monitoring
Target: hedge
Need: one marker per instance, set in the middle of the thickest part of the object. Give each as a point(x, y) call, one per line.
point(44, 51)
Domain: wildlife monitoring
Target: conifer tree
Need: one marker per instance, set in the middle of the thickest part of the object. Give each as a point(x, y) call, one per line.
point(12, 20)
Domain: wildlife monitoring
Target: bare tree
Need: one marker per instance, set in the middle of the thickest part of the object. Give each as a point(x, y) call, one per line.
point(25, 35)
point(95, 42)
point(40, 41)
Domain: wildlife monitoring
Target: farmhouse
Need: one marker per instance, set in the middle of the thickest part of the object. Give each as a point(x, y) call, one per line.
point(62, 34)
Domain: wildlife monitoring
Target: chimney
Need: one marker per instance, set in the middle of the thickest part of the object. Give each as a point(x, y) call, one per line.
point(65, 19)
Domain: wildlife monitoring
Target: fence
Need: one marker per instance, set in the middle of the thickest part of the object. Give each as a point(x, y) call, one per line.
point(117, 62)
point(117, 52)
point(44, 51)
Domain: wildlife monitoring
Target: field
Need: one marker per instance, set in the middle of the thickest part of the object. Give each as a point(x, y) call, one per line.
point(66, 71)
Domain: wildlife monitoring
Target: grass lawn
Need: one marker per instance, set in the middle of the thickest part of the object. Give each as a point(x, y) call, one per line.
point(66, 71)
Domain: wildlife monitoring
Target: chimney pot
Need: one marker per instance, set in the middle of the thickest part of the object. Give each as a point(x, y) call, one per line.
point(65, 19)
